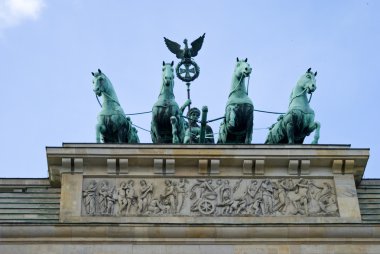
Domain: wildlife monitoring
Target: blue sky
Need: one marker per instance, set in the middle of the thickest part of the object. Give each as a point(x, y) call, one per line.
point(48, 50)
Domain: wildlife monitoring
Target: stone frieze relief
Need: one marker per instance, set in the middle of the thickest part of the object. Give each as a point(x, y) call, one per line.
point(208, 197)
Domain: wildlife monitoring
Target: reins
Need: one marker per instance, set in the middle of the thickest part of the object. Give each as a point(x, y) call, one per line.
point(248, 83)
point(106, 94)
point(235, 88)
point(298, 95)
point(97, 98)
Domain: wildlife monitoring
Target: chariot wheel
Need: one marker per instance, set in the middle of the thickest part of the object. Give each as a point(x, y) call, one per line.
point(206, 207)
point(187, 70)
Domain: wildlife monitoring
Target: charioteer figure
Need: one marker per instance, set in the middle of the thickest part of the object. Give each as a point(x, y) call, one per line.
point(193, 130)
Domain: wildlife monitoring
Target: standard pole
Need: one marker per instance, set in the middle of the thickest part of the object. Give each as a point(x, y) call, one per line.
point(188, 109)
point(203, 125)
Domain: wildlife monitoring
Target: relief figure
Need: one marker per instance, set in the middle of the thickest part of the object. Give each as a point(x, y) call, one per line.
point(145, 197)
point(211, 197)
point(130, 196)
point(169, 197)
point(121, 198)
point(89, 195)
point(105, 199)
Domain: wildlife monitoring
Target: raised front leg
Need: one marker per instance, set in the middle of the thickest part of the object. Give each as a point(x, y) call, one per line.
point(317, 127)
point(187, 103)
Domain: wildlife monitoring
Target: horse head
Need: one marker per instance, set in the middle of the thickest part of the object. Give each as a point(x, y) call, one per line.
point(167, 74)
point(100, 82)
point(307, 81)
point(242, 69)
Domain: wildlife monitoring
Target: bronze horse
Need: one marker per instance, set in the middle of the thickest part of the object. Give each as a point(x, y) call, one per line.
point(113, 126)
point(298, 122)
point(238, 122)
point(167, 125)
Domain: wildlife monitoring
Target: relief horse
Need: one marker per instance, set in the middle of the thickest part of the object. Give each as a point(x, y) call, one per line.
point(238, 122)
point(167, 125)
point(113, 126)
point(298, 122)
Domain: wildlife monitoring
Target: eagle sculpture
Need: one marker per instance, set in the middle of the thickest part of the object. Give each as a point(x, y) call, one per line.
point(186, 53)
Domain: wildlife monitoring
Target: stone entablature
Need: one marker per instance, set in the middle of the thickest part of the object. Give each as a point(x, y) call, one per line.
point(228, 184)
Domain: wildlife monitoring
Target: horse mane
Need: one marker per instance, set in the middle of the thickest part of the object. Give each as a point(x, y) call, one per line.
point(291, 96)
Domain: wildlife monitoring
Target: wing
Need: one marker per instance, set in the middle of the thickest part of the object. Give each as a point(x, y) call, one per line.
point(174, 47)
point(197, 45)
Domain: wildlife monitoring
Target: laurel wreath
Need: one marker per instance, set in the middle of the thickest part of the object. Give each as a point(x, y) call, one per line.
point(190, 62)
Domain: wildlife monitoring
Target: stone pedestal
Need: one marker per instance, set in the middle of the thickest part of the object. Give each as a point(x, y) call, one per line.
point(200, 184)
point(193, 199)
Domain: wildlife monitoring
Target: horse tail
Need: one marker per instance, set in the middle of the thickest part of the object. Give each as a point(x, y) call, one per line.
point(129, 132)
point(276, 133)
point(133, 138)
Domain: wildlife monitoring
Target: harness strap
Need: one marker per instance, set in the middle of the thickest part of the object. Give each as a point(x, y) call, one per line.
point(112, 99)
point(298, 95)
point(235, 87)
point(97, 98)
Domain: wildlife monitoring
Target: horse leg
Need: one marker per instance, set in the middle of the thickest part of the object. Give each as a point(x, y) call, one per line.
point(288, 127)
point(153, 126)
point(186, 139)
point(291, 120)
point(290, 132)
point(248, 136)
point(173, 121)
point(119, 128)
point(187, 103)
point(100, 128)
point(181, 129)
point(222, 133)
point(231, 116)
point(317, 127)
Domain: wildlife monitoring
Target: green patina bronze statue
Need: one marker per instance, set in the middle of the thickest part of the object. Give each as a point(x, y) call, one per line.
point(237, 125)
point(187, 52)
point(298, 122)
point(187, 70)
point(167, 125)
point(113, 126)
point(194, 131)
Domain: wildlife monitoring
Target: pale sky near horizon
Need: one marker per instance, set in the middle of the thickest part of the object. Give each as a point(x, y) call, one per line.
point(48, 49)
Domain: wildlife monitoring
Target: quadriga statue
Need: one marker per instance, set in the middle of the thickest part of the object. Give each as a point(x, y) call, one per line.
point(167, 125)
point(298, 122)
point(113, 126)
point(238, 122)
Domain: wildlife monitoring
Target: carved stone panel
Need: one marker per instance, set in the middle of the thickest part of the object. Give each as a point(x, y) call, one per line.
point(209, 197)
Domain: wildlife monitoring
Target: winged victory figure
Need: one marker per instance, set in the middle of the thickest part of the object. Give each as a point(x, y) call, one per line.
point(186, 53)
